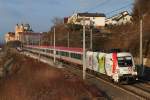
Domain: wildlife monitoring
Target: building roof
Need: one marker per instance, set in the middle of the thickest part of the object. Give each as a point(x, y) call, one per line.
point(117, 19)
point(91, 14)
point(119, 16)
point(11, 34)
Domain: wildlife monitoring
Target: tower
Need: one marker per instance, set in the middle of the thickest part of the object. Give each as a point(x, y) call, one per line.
point(19, 29)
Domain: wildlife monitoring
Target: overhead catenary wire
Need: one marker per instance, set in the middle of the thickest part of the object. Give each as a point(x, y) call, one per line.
point(99, 5)
point(106, 2)
point(130, 4)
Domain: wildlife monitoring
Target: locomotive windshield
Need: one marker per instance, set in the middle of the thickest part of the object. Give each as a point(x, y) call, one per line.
point(125, 61)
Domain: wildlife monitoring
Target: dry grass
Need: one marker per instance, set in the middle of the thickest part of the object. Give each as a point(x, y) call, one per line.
point(32, 80)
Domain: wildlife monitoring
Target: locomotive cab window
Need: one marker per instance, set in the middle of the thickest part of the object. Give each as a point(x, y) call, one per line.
point(125, 61)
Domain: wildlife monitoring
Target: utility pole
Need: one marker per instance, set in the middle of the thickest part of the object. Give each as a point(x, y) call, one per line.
point(68, 39)
point(28, 40)
point(32, 41)
point(39, 46)
point(54, 51)
point(84, 52)
point(91, 39)
point(21, 41)
point(51, 42)
point(141, 45)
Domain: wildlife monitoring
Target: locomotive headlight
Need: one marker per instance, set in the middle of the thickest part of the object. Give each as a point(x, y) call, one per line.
point(135, 70)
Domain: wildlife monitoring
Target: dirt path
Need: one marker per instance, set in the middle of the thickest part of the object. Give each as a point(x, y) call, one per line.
point(32, 80)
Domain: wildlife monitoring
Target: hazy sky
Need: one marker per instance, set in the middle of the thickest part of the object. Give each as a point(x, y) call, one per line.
point(39, 13)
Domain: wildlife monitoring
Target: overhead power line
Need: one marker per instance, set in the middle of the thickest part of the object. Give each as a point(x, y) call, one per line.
point(99, 5)
point(119, 9)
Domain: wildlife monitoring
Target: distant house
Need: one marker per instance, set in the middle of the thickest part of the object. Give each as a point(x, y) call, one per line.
point(10, 36)
point(119, 19)
point(24, 34)
point(19, 29)
point(94, 19)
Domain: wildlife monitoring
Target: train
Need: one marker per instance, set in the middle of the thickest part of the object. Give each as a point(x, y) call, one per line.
point(119, 66)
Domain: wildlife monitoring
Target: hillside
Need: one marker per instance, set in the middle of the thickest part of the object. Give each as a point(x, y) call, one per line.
point(123, 36)
point(29, 79)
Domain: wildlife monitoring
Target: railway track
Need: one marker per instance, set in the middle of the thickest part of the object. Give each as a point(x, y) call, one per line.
point(143, 86)
point(135, 90)
point(147, 83)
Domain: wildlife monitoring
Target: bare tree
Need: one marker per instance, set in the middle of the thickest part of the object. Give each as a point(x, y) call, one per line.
point(57, 21)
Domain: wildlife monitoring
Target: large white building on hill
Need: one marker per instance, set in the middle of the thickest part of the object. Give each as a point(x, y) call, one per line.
point(94, 19)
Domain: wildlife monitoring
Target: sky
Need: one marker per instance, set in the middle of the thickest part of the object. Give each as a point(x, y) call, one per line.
point(40, 13)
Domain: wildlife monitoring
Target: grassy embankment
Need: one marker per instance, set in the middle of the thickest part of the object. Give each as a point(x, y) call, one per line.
point(29, 79)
